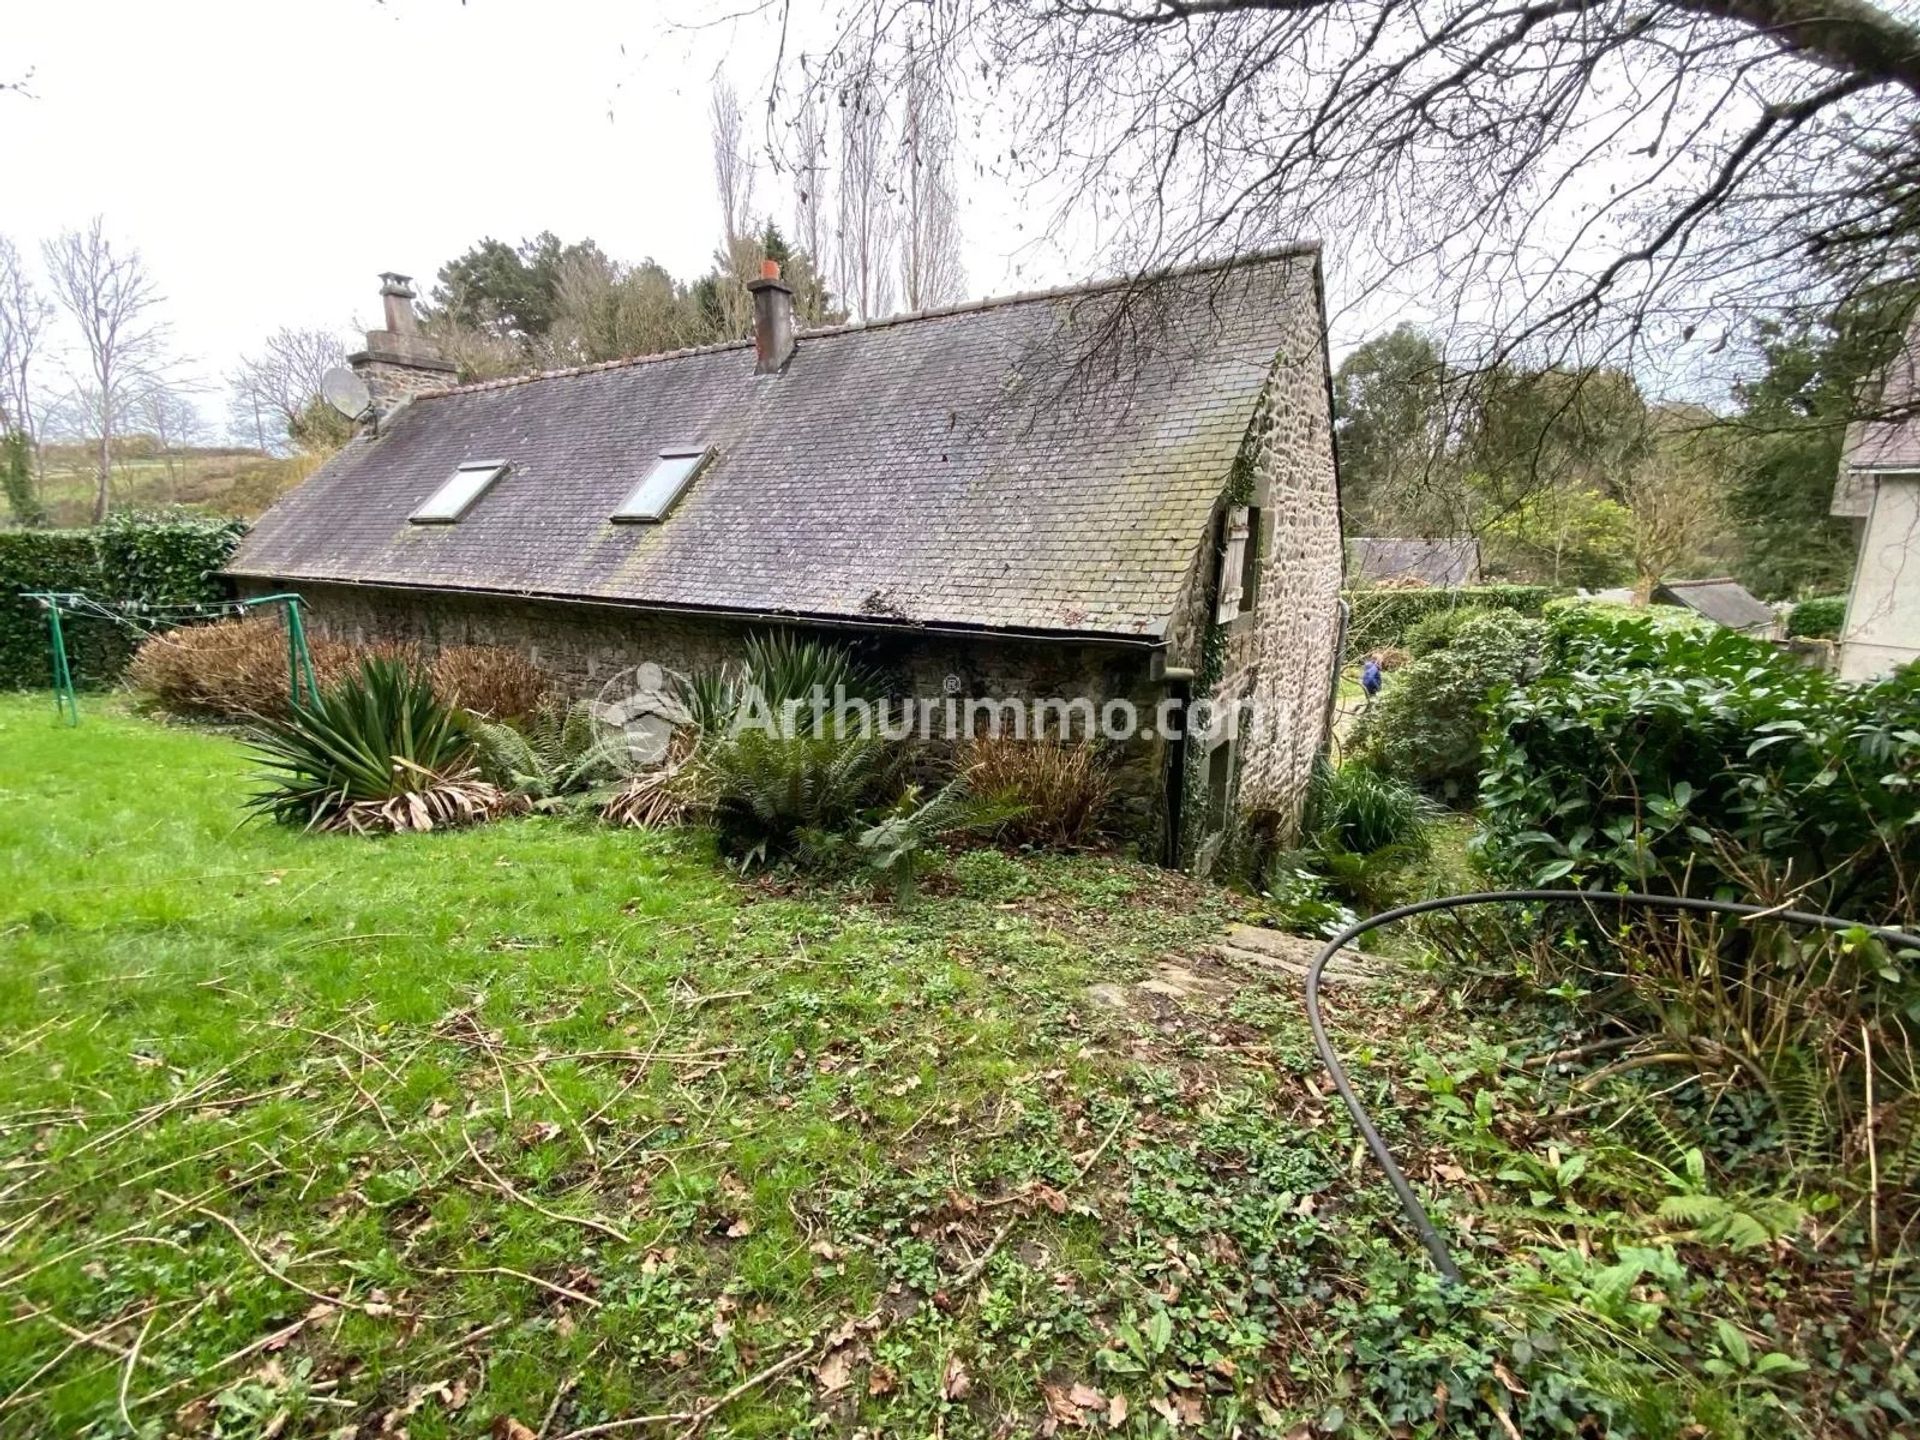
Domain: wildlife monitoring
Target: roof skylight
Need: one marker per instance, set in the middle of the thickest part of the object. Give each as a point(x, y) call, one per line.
point(453, 499)
point(654, 495)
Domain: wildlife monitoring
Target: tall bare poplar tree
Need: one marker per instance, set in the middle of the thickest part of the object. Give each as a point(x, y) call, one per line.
point(931, 272)
point(733, 176)
point(24, 313)
point(112, 300)
point(866, 207)
point(810, 206)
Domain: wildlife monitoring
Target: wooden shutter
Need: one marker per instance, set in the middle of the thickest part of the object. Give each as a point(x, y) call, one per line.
point(1233, 563)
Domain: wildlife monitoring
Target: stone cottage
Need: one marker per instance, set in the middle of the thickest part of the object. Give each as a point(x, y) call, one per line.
point(1115, 492)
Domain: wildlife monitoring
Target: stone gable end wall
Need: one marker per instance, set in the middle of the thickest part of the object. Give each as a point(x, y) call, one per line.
point(1281, 654)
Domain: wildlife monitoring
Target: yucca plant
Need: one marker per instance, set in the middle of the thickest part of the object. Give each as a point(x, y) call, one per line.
point(376, 751)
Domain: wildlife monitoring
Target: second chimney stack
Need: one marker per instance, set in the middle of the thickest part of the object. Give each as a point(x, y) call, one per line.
point(772, 320)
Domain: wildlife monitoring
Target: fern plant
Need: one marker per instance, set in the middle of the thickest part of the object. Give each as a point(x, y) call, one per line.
point(769, 791)
point(561, 753)
point(1746, 1222)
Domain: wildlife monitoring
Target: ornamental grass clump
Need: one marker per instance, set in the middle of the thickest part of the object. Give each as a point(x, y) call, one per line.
point(379, 751)
point(1055, 793)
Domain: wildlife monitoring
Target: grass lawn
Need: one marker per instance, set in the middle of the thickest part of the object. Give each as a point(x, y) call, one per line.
point(548, 1129)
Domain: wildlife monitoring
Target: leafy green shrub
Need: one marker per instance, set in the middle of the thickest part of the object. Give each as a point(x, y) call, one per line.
point(130, 560)
point(896, 846)
point(1427, 724)
point(1818, 619)
point(1436, 630)
point(1381, 618)
point(378, 751)
point(1054, 793)
point(1648, 757)
point(1300, 901)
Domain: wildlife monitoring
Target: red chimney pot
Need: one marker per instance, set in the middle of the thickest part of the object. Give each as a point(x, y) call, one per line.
point(769, 269)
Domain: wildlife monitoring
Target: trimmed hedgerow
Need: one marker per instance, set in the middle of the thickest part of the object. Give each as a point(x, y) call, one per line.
point(1383, 617)
point(128, 559)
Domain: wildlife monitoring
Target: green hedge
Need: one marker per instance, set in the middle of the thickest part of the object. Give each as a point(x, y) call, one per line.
point(129, 559)
point(1382, 617)
point(1818, 619)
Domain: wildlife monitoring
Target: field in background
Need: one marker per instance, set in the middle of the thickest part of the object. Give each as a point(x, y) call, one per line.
point(234, 482)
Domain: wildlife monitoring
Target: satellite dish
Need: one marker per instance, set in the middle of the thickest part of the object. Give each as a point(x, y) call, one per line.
point(346, 392)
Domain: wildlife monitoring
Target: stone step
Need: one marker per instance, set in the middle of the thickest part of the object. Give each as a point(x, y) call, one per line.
point(1292, 954)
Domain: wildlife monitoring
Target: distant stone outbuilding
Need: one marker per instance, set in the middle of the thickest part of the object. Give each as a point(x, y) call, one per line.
point(1122, 492)
point(1724, 601)
point(1438, 564)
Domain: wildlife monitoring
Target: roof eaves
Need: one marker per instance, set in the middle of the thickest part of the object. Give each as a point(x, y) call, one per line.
point(1151, 636)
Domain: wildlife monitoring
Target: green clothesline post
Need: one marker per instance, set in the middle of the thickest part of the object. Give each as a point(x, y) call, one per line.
point(299, 658)
point(302, 689)
point(65, 703)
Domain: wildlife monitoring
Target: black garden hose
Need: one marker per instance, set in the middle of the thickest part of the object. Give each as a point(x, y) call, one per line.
point(1409, 1202)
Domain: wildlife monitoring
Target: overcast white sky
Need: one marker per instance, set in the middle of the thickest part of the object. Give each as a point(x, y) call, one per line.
point(269, 159)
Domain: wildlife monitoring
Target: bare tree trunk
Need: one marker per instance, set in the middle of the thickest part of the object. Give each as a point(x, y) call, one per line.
point(103, 492)
point(111, 298)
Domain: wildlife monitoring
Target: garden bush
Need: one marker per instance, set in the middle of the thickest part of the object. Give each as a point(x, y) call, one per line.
point(1059, 791)
point(229, 670)
point(795, 796)
point(491, 680)
point(1818, 619)
point(377, 751)
point(132, 560)
point(1436, 630)
point(1427, 725)
point(1382, 617)
point(1650, 757)
point(557, 754)
point(1654, 759)
point(1360, 810)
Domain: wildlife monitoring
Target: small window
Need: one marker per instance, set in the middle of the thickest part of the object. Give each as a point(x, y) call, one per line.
point(654, 495)
point(456, 497)
point(1250, 571)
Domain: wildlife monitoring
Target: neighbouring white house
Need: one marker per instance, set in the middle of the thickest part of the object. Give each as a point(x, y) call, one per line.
point(1879, 490)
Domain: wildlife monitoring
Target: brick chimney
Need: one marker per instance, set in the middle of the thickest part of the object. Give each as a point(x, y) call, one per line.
point(399, 362)
point(772, 320)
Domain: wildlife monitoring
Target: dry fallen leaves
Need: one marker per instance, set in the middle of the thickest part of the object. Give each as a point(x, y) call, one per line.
point(835, 1372)
point(955, 1384)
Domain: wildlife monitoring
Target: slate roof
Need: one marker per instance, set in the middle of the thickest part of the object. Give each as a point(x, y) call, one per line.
point(1724, 601)
point(967, 467)
point(1374, 560)
point(1890, 443)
